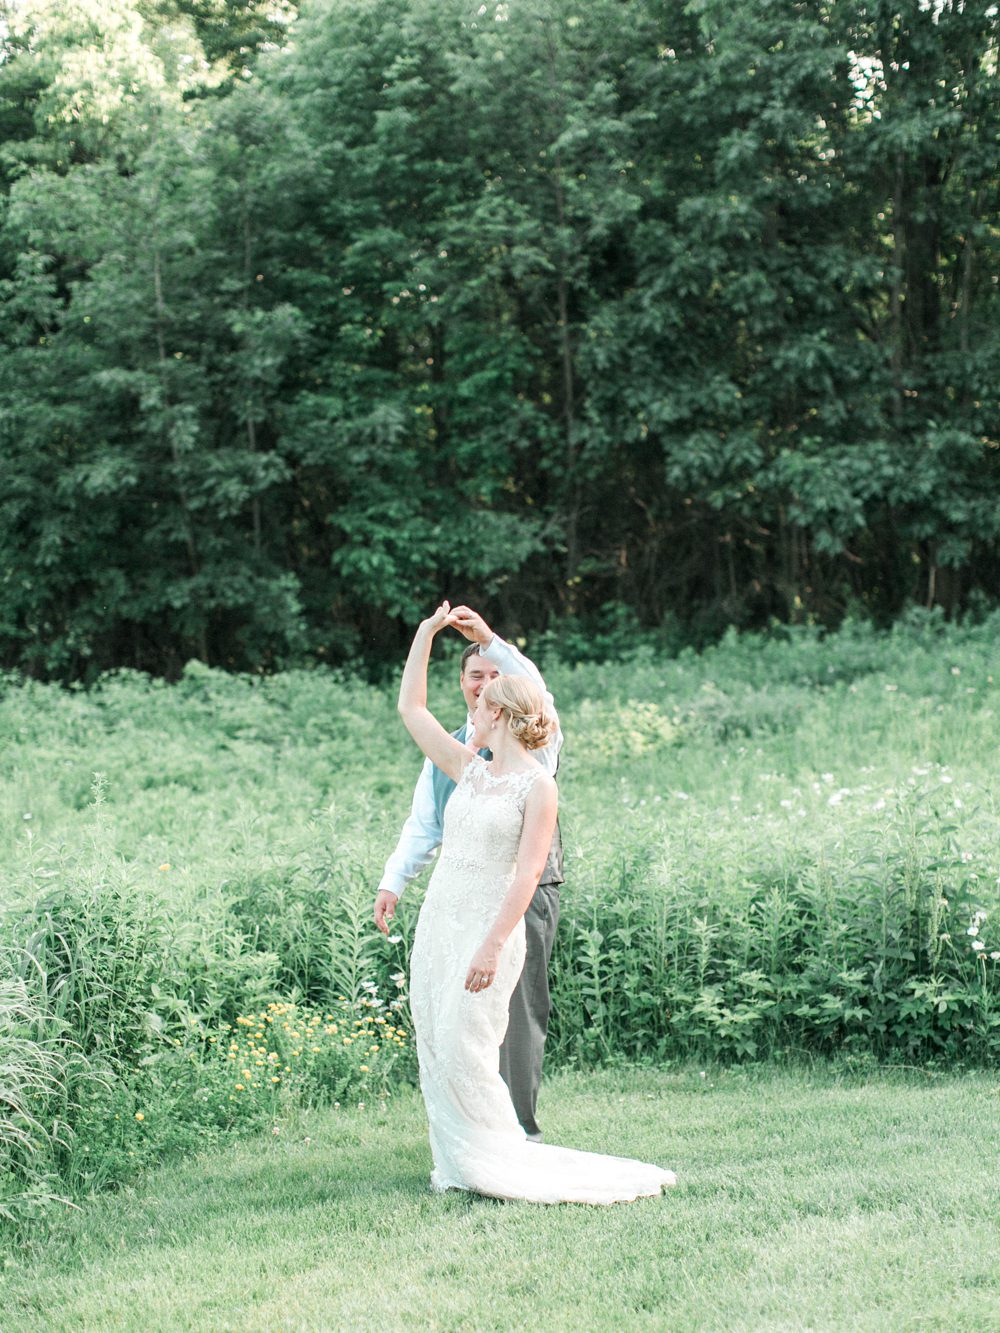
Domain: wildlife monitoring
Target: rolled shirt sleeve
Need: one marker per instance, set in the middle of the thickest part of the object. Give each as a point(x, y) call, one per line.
point(419, 840)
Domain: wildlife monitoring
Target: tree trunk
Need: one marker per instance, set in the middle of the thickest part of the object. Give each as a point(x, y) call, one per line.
point(161, 352)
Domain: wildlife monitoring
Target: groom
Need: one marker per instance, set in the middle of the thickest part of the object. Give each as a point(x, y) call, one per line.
point(487, 657)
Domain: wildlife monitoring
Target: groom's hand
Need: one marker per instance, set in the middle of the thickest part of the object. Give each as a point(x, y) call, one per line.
point(471, 624)
point(385, 909)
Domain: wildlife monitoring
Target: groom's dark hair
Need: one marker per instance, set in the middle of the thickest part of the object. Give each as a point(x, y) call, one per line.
point(471, 651)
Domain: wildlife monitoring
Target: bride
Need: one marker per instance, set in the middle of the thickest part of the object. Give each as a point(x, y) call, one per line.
point(468, 949)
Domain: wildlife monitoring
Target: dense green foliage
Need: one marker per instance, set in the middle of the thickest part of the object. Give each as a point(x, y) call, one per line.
point(777, 849)
point(576, 309)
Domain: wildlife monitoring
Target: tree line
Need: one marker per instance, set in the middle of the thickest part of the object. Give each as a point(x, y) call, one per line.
point(610, 316)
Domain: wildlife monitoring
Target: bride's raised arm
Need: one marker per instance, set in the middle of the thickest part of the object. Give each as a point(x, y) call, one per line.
point(445, 751)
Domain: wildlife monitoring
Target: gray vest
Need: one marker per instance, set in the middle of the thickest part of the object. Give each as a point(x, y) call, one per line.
point(443, 787)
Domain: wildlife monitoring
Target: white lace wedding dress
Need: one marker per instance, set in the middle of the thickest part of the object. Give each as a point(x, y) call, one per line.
point(476, 1141)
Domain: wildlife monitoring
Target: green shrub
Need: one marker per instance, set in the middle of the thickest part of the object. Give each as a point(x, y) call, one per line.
point(42, 1078)
point(885, 946)
point(97, 951)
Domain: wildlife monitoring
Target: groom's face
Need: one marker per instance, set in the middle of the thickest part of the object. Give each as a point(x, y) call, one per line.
point(476, 675)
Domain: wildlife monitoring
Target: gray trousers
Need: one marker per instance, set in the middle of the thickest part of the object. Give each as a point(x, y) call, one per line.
point(524, 1045)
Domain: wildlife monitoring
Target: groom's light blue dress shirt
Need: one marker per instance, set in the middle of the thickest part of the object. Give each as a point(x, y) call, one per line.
point(422, 832)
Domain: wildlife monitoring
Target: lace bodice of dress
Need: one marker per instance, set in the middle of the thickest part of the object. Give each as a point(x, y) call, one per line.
point(482, 823)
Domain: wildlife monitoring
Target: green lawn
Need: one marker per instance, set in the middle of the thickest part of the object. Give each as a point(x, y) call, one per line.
point(805, 1201)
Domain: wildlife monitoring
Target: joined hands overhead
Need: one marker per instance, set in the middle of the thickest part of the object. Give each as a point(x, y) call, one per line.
point(472, 626)
point(469, 623)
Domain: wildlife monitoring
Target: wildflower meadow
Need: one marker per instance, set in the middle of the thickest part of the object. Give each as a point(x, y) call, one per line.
point(781, 850)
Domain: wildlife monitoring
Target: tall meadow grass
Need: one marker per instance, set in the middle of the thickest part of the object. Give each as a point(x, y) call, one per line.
point(783, 846)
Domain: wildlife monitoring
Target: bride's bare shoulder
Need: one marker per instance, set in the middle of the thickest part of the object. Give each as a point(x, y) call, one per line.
point(544, 784)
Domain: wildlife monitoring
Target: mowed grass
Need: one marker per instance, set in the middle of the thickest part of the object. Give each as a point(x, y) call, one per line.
point(805, 1201)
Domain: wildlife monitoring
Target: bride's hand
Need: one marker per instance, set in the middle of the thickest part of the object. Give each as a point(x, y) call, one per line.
point(441, 617)
point(483, 968)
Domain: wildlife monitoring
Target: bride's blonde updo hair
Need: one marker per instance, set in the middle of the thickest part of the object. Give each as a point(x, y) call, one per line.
point(522, 706)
